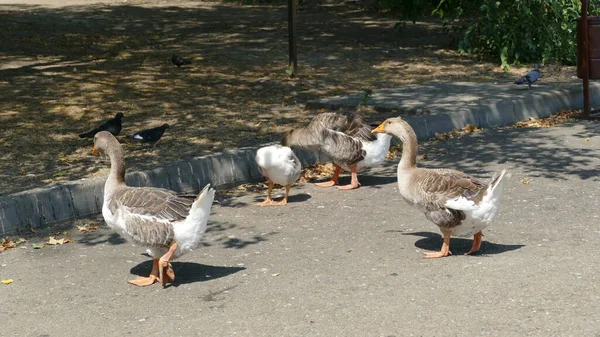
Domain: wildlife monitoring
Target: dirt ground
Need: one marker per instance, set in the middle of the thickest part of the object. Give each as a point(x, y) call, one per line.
point(66, 66)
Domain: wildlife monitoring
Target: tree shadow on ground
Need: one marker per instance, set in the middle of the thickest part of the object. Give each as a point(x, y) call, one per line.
point(433, 241)
point(65, 69)
point(540, 152)
point(188, 272)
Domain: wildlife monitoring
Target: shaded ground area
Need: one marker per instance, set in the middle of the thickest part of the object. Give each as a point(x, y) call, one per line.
point(347, 263)
point(66, 66)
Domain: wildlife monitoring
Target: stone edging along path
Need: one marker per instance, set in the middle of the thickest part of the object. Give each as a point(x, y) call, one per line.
point(42, 207)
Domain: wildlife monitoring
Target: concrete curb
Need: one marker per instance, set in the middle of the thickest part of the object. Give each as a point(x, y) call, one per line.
point(485, 113)
point(43, 207)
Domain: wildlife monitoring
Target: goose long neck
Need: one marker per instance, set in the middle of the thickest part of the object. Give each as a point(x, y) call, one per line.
point(116, 177)
point(409, 149)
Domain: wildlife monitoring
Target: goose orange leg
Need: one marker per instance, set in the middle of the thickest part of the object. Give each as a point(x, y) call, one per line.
point(283, 201)
point(165, 270)
point(476, 243)
point(268, 201)
point(353, 182)
point(146, 281)
point(445, 251)
point(334, 179)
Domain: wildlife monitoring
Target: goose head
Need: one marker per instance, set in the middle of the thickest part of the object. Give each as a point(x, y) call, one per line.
point(105, 142)
point(165, 126)
point(119, 115)
point(398, 127)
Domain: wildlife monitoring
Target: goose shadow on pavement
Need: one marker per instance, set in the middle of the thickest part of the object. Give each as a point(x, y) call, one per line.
point(188, 272)
point(458, 246)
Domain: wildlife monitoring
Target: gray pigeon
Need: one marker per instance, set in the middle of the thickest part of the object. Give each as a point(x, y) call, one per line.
point(530, 77)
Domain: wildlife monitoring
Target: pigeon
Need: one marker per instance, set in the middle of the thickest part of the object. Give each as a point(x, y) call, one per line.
point(179, 61)
point(530, 77)
point(112, 125)
point(150, 135)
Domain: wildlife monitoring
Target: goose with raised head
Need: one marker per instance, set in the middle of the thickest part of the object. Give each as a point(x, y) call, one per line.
point(457, 203)
point(169, 225)
point(279, 165)
point(346, 139)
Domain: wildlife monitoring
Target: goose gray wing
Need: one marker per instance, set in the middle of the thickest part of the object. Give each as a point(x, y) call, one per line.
point(148, 213)
point(149, 231)
point(436, 187)
point(439, 186)
point(342, 149)
point(152, 202)
point(328, 133)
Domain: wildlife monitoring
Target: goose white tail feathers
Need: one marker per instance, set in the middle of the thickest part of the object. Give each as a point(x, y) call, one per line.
point(191, 230)
point(491, 197)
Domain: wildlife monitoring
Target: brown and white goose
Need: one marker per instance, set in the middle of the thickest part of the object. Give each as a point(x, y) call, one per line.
point(346, 139)
point(457, 203)
point(167, 224)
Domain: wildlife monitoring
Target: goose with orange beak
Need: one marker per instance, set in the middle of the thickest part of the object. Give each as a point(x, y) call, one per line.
point(457, 203)
point(167, 224)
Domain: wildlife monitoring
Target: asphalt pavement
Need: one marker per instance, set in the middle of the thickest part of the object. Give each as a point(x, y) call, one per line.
point(347, 263)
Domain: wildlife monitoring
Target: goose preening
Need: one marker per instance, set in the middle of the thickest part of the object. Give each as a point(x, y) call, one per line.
point(112, 125)
point(530, 77)
point(346, 139)
point(179, 61)
point(279, 165)
point(167, 224)
point(457, 203)
point(150, 135)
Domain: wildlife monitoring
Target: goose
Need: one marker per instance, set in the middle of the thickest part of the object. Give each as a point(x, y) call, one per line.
point(167, 224)
point(150, 135)
point(112, 125)
point(346, 139)
point(457, 203)
point(279, 165)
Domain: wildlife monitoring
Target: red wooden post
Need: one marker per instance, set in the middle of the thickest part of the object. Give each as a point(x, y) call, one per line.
point(585, 64)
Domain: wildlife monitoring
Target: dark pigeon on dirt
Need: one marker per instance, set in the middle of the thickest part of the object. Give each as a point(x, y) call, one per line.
point(179, 61)
point(112, 125)
point(530, 77)
point(150, 135)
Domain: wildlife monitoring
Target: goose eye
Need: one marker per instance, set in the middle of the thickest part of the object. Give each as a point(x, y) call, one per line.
point(389, 122)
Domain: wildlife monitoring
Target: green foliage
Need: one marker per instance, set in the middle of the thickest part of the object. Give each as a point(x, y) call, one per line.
point(513, 32)
point(521, 31)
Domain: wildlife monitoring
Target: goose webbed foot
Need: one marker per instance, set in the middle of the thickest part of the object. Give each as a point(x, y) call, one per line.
point(445, 251)
point(150, 280)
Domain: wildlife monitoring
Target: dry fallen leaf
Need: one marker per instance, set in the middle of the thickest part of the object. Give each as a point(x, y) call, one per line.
point(275, 274)
point(37, 245)
point(556, 119)
point(8, 281)
point(87, 228)
point(318, 170)
point(53, 241)
point(525, 181)
point(587, 139)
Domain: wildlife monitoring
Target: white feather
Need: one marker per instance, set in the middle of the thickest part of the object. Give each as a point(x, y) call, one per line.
point(278, 163)
point(137, 136)
point(478, 216)
point(189, 232)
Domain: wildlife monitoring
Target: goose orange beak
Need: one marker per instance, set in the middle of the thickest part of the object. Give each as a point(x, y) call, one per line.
point(95, 150)
point(379, 129)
